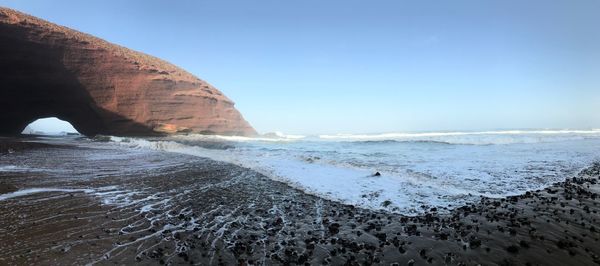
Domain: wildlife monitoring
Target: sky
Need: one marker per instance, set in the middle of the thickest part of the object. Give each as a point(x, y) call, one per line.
point(49, 125)
point(323, 67)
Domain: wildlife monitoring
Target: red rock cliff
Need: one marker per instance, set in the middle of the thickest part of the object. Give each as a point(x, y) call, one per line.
point(101, 88)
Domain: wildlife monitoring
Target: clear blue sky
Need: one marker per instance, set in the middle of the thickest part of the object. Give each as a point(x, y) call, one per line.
point(369, 66)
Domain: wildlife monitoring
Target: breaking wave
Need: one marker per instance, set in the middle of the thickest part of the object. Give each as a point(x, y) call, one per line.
point(417, 169)
point(475, 138)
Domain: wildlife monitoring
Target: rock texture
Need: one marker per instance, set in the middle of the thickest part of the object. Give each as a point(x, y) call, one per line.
point(48, 70)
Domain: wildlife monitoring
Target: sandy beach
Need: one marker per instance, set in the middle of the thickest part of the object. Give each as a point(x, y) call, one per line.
point(116, 206)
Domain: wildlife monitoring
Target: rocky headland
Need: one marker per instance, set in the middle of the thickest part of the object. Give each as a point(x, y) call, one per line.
point(49, 70)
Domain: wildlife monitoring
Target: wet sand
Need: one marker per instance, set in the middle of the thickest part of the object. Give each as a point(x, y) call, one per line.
point(145, 207)
point(10, 145)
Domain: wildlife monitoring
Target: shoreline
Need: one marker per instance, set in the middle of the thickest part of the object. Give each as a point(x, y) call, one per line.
point(10, 145)
point(192, 210)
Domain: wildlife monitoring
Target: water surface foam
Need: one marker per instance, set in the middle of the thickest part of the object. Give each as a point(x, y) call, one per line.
point(419, 170)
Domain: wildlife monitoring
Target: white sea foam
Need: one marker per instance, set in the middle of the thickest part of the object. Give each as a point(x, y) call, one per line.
point(477, 137)
point(459, 133)
point(11, 168)
point(269, 137)
point(418, 169)
point(29, 191)
point(19, 168)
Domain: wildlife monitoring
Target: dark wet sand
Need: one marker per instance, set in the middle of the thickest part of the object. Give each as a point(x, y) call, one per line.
point(10, 145)
point(189, 210)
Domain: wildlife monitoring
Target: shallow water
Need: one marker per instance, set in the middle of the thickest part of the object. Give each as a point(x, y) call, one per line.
point(86, 202)
point(141, 200)
point(29, 191)
point(418, 170)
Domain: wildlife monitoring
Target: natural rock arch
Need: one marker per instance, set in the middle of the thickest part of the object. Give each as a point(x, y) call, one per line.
point(48, 70)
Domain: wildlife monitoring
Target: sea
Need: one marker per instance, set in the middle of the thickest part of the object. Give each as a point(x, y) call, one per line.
point(406, 173)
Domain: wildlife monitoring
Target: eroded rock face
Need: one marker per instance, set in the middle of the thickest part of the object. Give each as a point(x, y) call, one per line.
point(48, 70)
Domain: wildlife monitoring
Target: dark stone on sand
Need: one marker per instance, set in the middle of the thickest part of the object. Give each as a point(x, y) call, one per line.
point(443, 236)
point(334, 228)
point(386, 203)
point(381, 236)
point(401, 250)
point(278, 221)
point(512, 249)
point(423, 253)
point(475, 243)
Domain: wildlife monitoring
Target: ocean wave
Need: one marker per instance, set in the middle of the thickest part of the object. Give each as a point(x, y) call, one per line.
point(473, 138)
point(393, 136)
point(281, 135)
point(457, 137)
point(391, 141)
point(412, 174)
point(269, 137)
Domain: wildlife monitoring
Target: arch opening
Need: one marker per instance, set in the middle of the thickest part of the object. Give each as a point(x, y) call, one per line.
point(52, 126)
